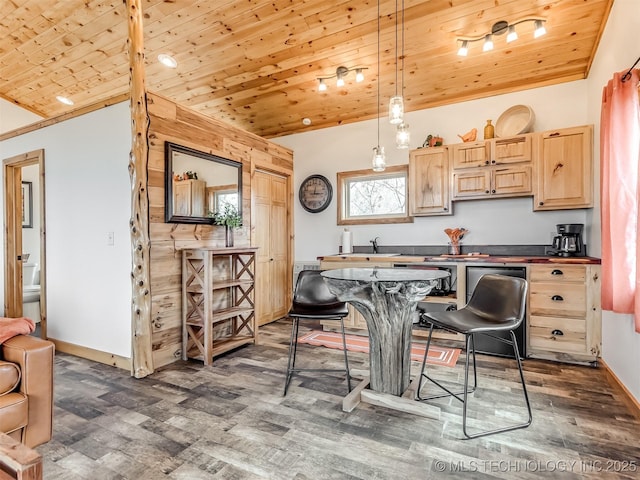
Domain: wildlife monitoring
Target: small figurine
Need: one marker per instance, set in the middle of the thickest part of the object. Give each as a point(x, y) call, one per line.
point(470, 136)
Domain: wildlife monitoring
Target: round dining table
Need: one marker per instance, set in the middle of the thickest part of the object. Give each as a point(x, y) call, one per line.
point(387, 299)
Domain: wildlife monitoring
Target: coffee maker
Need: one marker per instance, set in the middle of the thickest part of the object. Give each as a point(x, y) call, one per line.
point(568, 242)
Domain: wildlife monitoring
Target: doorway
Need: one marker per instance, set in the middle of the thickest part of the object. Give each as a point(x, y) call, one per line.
point(24, 220)
point(271, 214)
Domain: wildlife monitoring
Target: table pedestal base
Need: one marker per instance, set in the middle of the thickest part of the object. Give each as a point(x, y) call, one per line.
point(406, 403)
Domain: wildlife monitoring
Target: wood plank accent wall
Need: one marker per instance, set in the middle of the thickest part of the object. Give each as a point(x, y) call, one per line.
point(171, 122)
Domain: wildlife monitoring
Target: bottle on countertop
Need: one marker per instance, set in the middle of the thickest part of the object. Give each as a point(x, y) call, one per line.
point(489, 131)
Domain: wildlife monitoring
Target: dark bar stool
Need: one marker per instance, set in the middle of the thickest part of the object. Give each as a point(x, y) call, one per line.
point(497, 304)
point(312, 300)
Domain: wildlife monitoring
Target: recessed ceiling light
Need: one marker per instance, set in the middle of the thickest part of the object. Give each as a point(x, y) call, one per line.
point(306, 121)
point(167, 60)
point(65, 100)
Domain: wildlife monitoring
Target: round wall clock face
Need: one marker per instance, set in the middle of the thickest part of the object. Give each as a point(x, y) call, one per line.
point(315, 193)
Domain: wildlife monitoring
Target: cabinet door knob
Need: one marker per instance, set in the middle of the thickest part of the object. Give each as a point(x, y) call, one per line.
point(557, 332)
point(540, 203)
point(557, 298)
point(493, 162)
point(445, 209)
point(493, 191)
point(486, 162)
point(557, 272)
point(486, 191)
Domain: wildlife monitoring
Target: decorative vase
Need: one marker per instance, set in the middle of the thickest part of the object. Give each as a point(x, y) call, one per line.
point(489, 131)
point(228, 236)
point(454, 248)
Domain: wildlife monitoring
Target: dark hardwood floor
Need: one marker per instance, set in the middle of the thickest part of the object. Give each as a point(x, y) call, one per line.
point(230, 421)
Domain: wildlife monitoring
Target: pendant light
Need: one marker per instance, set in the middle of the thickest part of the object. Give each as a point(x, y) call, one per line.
point(403, 136)
point(378, 160)
point(396, 103)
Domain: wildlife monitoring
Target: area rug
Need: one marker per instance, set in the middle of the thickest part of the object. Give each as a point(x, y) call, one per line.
point(443, 356)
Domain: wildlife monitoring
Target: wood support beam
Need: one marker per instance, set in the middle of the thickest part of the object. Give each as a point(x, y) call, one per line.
point(141, 354)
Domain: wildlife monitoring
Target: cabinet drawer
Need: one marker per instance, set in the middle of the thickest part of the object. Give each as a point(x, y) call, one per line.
point(558, 273)
point(558, 299)
point(557, 334)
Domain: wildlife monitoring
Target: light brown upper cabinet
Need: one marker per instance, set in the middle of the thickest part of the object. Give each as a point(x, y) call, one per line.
point(564, 169)
point(471, 154)
point(188, 198)
point(501, 168)
point(429, 181)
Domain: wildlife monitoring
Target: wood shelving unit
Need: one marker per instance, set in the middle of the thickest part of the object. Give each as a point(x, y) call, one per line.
point(218, 301)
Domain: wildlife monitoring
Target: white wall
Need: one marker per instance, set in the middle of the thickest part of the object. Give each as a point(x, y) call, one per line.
point(617, 52)
point(87, 195)
point(12, 116)
point(504, 221)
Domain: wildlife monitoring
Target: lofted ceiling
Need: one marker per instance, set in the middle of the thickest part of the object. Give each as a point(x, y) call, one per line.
point(255, 63)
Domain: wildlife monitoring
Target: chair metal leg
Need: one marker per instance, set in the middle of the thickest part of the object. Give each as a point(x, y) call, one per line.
point(293, 344)
point(470, 357)
point(293, 349)
point(524, 391)
point(449, 392)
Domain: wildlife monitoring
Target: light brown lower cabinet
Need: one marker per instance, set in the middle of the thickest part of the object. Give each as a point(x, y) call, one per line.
point(564, 312)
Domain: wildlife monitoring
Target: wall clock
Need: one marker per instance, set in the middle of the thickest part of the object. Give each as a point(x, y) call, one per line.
point(315, 193)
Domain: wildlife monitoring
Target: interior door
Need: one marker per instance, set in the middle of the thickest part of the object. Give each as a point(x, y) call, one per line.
point(13, 241)
point(13, 222)
point(272, 239)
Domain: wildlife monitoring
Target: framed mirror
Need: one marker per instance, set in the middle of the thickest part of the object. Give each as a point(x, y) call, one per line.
point(198, 184)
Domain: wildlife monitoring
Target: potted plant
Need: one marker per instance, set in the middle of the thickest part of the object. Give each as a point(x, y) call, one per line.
point(230, 219)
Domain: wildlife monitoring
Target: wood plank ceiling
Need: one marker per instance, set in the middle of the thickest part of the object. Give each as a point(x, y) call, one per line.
point(255, 63)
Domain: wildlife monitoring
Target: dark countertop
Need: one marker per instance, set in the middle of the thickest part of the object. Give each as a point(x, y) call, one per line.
point(382, 257)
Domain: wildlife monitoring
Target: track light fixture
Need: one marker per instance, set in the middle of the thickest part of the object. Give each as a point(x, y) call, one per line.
point(341, 73)
point(500, 28)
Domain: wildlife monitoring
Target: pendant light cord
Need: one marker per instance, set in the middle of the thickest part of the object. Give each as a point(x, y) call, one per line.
point(378, 106)
point(402, 58)
point(396, 18)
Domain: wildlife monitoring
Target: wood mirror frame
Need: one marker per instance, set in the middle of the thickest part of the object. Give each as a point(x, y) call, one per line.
point(196, 197)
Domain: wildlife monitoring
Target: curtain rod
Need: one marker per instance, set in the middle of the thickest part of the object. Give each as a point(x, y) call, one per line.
point(627, 75)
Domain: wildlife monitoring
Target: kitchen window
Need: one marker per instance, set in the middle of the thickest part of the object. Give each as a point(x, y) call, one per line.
point(368, 197)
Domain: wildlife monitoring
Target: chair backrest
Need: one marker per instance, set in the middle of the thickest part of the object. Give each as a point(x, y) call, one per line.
point(311, 289)
point(499, 298)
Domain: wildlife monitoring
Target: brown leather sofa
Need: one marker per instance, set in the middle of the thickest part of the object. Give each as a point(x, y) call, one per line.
point(26, 389)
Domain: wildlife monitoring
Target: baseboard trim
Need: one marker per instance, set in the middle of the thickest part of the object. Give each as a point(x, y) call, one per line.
point(91, 354)
point(628, 397)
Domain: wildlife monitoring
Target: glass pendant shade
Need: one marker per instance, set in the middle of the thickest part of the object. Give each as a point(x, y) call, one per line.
point(396, 110)
point(403, 136)
point(379, 161)
point(512, 35)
